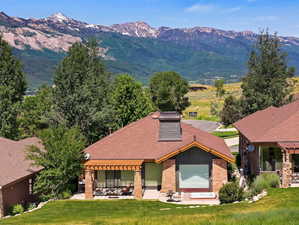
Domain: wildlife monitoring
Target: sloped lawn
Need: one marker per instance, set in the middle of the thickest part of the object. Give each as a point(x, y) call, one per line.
point(281, 206)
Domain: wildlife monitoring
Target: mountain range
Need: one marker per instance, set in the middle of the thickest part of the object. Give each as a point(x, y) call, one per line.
point(200, 53)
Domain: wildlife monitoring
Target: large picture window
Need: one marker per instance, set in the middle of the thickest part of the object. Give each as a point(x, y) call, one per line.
point(270, 158)
point(194, 176)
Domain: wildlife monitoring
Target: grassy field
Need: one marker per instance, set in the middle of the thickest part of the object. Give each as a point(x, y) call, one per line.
point(281, 206)
point(201, 100)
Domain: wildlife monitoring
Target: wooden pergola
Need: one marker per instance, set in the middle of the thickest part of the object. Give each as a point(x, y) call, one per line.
point(91, 166)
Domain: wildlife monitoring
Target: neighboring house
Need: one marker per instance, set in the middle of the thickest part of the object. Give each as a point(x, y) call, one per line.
point(158, 152)
point(269, 142)
point(16, 173)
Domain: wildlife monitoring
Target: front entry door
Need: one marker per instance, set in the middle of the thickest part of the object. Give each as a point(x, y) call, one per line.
point(296, 163)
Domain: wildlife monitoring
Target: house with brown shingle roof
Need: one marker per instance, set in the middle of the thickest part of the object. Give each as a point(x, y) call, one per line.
point(269, 142)
point(16, 173)
point(158, 152)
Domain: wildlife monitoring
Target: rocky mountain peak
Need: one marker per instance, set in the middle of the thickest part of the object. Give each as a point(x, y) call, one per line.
point(136, 29)
point(58, 17)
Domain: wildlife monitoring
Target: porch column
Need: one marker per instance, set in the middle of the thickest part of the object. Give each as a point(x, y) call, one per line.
point(137, 184)
point(286, 170)
point(168, 176)
point(88, 184)
point(219, 174)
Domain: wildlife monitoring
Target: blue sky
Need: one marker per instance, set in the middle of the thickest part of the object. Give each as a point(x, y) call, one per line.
point(281, 16)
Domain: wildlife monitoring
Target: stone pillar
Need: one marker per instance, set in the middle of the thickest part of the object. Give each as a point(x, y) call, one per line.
point(137, 185)
point(168, 176)
point(219, 174)
point(286, 170)
point(88, 184)
point(1, 204)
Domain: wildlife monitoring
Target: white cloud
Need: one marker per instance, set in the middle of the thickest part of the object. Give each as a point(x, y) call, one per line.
point(200, 8)
point(205, 8)
point(231, 10)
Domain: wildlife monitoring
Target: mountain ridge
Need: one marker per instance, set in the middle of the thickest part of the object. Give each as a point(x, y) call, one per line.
point(198, 53)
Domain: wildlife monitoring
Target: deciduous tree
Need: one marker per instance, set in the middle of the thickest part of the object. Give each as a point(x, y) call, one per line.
point(61, 161)
point(35, 112)
point(129, 100)
point(168, 90)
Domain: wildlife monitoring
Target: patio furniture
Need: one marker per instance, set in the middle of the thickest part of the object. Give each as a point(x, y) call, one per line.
point(128, 190)
point(170, 194)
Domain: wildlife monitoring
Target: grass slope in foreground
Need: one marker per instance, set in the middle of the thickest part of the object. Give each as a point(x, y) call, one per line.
point(281, 206)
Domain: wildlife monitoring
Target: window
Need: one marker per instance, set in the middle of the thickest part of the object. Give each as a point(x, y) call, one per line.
point(194, 176)
point(30, 186)
point(270, 158)
point(112, 178)
point(193, 114)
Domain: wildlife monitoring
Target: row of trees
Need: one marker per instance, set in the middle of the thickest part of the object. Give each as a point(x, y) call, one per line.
point(85, 104)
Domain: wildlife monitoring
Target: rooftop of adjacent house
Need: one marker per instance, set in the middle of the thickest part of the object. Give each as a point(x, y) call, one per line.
point(13, 162)
point(140, 141)
point(273, 124)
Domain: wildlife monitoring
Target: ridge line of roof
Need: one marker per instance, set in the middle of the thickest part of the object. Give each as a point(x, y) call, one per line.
point(120, 130)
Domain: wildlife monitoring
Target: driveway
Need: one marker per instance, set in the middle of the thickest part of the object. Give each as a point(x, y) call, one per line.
point(208, 126)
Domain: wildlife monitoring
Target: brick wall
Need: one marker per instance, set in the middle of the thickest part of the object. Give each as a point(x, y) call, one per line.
point(168, 176)
point(219, 174)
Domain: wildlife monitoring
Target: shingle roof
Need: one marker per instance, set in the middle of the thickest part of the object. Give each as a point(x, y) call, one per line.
point(272, 124)
point(140, 140)
point(13, 162)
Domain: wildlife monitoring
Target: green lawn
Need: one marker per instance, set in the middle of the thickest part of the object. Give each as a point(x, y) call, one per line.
point(281, 206)
point(226, 134)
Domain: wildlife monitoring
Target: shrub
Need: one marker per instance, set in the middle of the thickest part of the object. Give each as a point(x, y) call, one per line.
point(65, 194)
point(230, 192)
point(16, 209)
point(31, 206)
point(265, 181)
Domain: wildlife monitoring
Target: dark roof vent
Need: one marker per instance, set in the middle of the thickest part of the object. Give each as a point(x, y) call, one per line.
point(170, 126)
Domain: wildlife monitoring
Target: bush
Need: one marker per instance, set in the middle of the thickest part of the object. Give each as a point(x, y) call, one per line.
point(265, 181)
point(16, 209)
point(230, 192)
point(31, 206)
point(65, 194)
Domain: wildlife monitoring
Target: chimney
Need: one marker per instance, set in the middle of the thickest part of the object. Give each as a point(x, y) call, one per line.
point(170, 126)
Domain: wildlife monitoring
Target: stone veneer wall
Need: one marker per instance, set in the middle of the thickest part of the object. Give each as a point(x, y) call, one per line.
point(137, 185)
point(88, 184)
point(168, 176)
point(219, 174)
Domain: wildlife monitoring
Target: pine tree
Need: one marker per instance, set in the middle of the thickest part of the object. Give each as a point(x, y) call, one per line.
point(266, 83)
point(8, 114)
point(129, 100)
point(12, 89)
point(11, 73)
point(81, 93)
point(232, 110)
